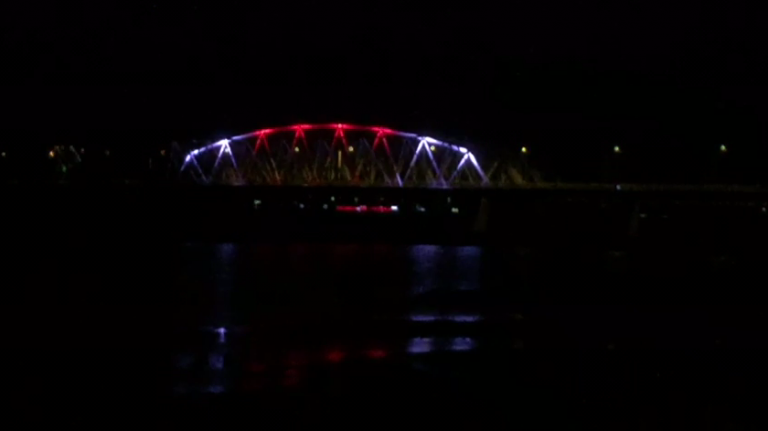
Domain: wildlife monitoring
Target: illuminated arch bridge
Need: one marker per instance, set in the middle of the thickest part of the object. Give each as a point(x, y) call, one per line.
point(334, 154)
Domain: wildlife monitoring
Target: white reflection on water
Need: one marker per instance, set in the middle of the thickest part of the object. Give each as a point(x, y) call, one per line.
point(421, 345)
point(216, 389)
point(424, 317)
point(216, 361)
point(431, 317)
point(467, 267)
point(461, 344)
point(425, 266)
point(222, 334)
point(464, 317)
point(444, 267)
point(427, 344)
point(185, 361)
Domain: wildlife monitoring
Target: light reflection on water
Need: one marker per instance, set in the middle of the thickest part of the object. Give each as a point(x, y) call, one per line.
point(426, 269)
point(425, 261)
point(467, 262)
point(440, 267)
point(462, 344)
point(432, 317)
point(420, 345)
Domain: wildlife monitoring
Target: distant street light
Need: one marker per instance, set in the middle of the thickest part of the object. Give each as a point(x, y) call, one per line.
point(723, 149)
point(524, 150)
point(616, 149)
point(51, 154)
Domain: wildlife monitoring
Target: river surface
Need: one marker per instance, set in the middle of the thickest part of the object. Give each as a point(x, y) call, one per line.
point(630, 336)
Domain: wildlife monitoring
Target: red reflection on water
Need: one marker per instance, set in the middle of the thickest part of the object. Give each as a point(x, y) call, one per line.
point(377, 353)
point(256, 367)
point(297, 359)
point(292, 377)
point(252, 385)
point(335, 356)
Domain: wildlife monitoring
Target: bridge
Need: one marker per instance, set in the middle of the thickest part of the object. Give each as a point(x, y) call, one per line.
point(336, 154)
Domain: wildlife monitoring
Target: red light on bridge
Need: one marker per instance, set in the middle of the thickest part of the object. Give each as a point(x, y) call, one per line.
point(264, 131)
point(364, 209)
point(382, 130)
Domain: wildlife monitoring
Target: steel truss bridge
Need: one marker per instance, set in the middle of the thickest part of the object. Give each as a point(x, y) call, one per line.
point(338, 154)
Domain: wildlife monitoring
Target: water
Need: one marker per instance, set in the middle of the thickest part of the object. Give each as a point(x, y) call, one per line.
point(598, 332)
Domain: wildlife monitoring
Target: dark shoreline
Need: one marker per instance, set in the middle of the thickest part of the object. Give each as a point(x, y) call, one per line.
point(718, 222)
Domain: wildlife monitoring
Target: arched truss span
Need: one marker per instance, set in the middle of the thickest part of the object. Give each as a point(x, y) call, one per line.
point(334, 154)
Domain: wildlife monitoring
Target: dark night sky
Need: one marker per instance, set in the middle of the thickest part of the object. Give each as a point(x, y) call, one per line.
point(636, 72)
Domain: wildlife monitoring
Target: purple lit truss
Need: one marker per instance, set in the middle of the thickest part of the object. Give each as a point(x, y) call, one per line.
point(335, 154)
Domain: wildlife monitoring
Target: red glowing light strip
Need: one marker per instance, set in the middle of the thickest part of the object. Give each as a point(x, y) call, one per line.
point(381, 209)
point(386, 146)
point(363, 208)
point(300, 135)
point(348, 209)
point(380, 138)
point(338, 126)
point(339, 134)
point(262, 141)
